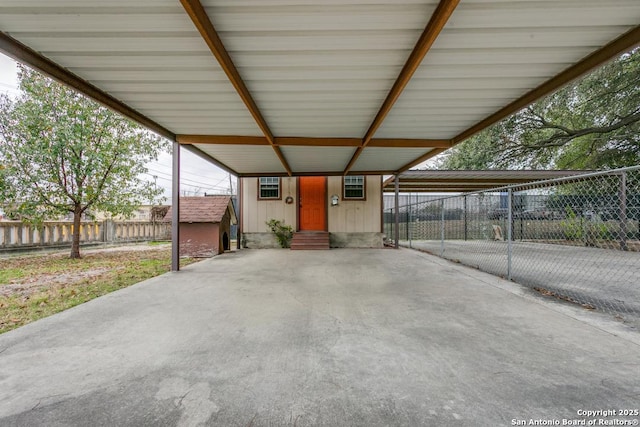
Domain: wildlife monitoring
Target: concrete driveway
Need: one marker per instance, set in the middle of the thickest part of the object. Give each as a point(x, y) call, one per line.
point(305, 338)
point(607, 279)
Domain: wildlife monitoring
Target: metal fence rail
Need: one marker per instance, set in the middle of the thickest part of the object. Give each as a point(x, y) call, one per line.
point(577, 237)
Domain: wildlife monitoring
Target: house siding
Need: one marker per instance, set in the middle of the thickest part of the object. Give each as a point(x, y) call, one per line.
point(352, 223)
point(355, 216)
point(256, 212)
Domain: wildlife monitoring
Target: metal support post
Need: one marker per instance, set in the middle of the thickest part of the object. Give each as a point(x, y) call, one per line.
point(442, 228)
point(175, 211)
point(239, 213)
point(509, 232)
point(397, 206)
point(623, 211)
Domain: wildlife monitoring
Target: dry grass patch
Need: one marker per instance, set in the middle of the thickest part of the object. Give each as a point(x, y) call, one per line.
point(36, 286)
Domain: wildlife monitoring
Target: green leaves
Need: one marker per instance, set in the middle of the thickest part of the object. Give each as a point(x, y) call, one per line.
point(593, 123)
point(283, 232)
point(62, 152)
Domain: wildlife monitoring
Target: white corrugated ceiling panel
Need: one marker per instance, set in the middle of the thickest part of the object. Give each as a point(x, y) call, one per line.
point(386, 159)
point(316, 69)
point(521, 44)
point(317, 159)
point(307, 62)
point(245, 159)
point(148, 54)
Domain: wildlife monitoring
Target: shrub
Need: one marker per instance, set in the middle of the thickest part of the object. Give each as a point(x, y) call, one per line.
point(572, 226)
point(284, 233)
point(575, 227)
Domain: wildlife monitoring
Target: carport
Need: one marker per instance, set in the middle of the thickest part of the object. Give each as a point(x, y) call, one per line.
point(351, 337)
point(294, 88)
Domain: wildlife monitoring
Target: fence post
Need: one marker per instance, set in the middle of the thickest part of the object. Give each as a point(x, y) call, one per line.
point(623, 211)
point(105, 233)
point(442, 228)
point(409, 218)
point(391, 224)
point(464, 213)
point(396, 232)
point(509, 231)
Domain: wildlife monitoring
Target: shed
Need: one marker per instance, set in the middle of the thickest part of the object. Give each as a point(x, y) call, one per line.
point(205, 225)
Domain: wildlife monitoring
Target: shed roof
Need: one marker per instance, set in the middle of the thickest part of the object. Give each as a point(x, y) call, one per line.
point(204, 209)
point(462, 181)
point(299, 87)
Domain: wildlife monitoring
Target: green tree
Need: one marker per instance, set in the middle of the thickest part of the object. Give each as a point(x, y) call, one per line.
point(64, 153)
point(593, 123)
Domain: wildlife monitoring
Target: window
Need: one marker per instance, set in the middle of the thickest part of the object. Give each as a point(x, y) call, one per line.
point(269, 187)
point(354, 187)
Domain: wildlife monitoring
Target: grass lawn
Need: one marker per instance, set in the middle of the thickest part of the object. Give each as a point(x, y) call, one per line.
point(36, 286)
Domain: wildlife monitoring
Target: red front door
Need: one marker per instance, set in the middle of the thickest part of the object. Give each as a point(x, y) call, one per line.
point(313, 208)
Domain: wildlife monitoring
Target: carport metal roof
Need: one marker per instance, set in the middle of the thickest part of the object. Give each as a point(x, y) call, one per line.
point(463, 181)
point(299, 87)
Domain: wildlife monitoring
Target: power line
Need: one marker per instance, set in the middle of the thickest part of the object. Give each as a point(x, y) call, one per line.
point(197, 184)
point(156, 163)
point(200, 183)
point(182, 172)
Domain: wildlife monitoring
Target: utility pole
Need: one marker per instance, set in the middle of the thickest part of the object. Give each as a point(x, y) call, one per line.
point(152, 212)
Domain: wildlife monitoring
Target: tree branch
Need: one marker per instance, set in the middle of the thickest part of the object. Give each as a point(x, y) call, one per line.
point(566, 135)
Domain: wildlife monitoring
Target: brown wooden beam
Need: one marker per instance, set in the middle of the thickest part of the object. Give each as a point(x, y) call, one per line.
point(464, 181)
point(421, 159)
point(312, 142)
point(618, 46)
point(259, 174)
point(391, 190)
point(409, 143)
point(204, 25)
point(453, 185)
point(387, 172)
point(198, 152)
point(334, 173)
point(438, 20)
point(317, 142)
point(222, 139)
point(22, 53)
point(389, 181)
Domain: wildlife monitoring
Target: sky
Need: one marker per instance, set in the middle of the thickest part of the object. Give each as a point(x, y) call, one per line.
point(197, 175)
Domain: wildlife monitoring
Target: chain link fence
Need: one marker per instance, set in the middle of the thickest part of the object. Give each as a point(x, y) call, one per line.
point(576, 238)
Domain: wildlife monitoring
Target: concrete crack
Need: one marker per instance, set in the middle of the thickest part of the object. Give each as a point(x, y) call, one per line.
point(183, 396)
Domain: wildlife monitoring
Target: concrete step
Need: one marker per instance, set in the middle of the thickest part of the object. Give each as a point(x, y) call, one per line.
point(310, 240)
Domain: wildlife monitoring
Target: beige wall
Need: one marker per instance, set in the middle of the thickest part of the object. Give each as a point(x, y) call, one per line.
point(356, 216)
point(256, 212)
point(349, 216)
